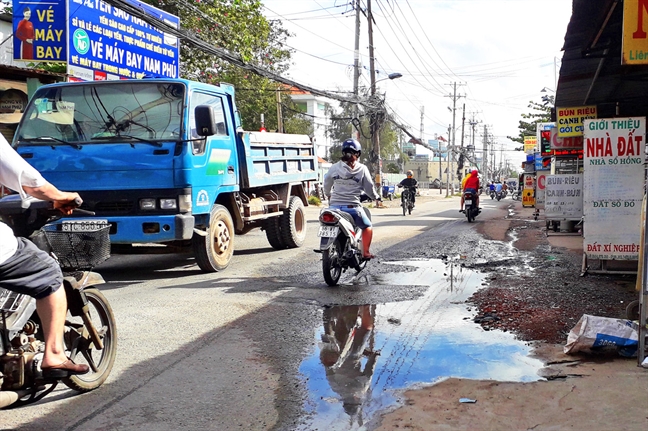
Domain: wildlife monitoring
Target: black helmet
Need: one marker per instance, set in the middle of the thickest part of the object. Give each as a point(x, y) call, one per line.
point(351, 146)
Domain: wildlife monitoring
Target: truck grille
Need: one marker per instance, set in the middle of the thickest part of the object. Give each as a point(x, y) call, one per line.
point(114, 207)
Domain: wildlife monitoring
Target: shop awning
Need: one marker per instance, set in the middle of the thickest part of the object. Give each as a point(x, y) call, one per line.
point(6, 84)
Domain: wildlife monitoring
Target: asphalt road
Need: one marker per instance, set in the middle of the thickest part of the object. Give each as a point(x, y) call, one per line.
point(221, 351)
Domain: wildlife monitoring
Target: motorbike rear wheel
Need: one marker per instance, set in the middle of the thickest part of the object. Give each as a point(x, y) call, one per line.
point(469, 214)
point(82, 350)
point(331, 263)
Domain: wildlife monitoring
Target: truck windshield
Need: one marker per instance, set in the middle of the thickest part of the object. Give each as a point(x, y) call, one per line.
point(124, 111)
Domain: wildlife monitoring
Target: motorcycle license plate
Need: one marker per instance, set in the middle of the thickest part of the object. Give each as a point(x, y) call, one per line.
point(468, 202)
point(328, 231)
point(83, 225)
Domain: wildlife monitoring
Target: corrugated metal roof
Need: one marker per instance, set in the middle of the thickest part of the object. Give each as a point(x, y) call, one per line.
point(591, 72)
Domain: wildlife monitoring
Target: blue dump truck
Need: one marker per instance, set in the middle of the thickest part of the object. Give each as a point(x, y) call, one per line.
point(165, 162)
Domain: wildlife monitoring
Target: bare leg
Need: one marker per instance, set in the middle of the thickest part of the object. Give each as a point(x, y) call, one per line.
point(367, 235)
point(462, 202)
point(52, 311)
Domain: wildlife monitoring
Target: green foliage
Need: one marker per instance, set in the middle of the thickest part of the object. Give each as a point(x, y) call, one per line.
point(239, 27)
point(541, 114)
point(342, 127)
point(314, 200)
point(49, 67)
point(391, 168)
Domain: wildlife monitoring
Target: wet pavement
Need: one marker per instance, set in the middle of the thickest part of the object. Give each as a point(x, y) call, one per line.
point(364, 354)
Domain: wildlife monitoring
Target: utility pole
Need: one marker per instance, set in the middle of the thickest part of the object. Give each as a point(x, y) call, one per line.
point(356, 66)
point(448, 169)
point(462, 157)
point(375, 115)
point(485, 156)
point(454, 133)
point(279, 114)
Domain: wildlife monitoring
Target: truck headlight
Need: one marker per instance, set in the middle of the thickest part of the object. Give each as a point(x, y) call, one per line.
point(168, 204)
point(184, 203)
point(147, 204)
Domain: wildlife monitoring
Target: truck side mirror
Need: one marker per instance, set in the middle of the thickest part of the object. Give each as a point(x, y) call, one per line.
point(205, 123)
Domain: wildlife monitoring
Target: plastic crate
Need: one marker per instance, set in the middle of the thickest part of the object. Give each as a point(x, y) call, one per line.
point(78, 250)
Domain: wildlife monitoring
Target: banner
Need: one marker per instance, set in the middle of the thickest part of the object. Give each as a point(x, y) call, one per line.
point(530, 144)
point(107, 43)
point(570, 120)
point(564, 197)
point(613, 187)
point(634, 46)
point(39, 30)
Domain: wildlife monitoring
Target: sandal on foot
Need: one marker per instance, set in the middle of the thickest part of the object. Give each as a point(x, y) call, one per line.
point(65, 369)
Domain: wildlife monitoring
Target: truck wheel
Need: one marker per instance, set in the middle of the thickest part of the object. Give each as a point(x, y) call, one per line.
point(214, 251)
point(293, 223)
point(273, 233)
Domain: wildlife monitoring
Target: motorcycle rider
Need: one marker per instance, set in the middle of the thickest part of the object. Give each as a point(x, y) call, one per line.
point(411, 185)
point(345, 181)
point(28, 270)
point(471, 185)
point(498, 187)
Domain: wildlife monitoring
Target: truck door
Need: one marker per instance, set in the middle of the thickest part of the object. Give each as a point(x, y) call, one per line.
point(217, 153)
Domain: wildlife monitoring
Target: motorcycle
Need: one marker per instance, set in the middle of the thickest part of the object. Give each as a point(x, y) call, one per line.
point(90, 335)
point(499, 195)
point(406, 201)
point(340, 243)
point(492, 194)
point(470, 207)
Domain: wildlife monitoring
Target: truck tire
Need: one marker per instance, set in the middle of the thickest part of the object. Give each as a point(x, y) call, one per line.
point(273, 233)
point(293, 223)
point(214, 251)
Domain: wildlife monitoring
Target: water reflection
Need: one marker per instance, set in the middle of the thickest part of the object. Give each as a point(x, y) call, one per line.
point(348, 356)
point(366, 353)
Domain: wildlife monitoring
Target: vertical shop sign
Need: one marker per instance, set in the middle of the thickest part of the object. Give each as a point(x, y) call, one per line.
point(613, 187)
point(39, 30)
point(634, 46)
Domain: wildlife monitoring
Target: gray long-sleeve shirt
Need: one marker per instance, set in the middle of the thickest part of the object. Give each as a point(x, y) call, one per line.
point(344, 184)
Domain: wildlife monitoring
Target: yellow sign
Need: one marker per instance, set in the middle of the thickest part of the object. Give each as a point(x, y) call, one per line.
point(570, 120)
point(530, 143)
point(634, 48)
point(528, 198)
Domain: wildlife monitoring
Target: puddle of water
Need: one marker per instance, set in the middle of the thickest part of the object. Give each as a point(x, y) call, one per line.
point(366, 353)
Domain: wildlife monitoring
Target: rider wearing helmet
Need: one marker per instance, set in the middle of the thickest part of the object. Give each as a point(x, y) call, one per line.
point(472, 185)
point(345, 181)
point(410, 184)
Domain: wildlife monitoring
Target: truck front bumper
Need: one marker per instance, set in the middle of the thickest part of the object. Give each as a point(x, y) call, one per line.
point(147, 229)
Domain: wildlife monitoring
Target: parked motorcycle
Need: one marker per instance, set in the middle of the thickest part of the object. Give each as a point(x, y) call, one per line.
point(90, 335)
point(406, 201)
point(471, 210)
point(340, 244)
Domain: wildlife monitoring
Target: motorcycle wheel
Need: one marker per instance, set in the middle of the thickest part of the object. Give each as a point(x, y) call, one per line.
point(81, 348)
point(331, 264)
point(469, 215)
point(409, 209)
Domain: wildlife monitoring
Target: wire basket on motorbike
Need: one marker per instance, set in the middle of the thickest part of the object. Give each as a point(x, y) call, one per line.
point(78, 250)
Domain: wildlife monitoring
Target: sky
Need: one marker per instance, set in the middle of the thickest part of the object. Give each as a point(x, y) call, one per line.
point(499, 53)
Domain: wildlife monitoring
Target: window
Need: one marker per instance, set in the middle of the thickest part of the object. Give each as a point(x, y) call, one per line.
point(216, 102)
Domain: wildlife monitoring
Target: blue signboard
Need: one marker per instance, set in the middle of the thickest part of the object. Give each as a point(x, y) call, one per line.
point(39, 30)
point(107, 43)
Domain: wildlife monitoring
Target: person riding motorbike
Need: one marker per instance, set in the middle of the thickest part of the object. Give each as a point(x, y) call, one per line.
point(28, 270)
point(345, 182)
point(410, 184)
point(498, 187)
point(471, 185)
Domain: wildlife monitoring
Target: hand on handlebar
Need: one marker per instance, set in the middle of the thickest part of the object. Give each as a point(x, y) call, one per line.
point(68, 202)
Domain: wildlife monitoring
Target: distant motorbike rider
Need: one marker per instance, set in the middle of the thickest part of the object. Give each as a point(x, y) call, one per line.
point(345, 182)
point(411, 185)
point(471, 185)
point(498, 187)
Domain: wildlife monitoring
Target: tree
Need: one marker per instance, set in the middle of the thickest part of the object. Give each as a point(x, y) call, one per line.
point(541, 114)
point(343, 126)
point(240, 27)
